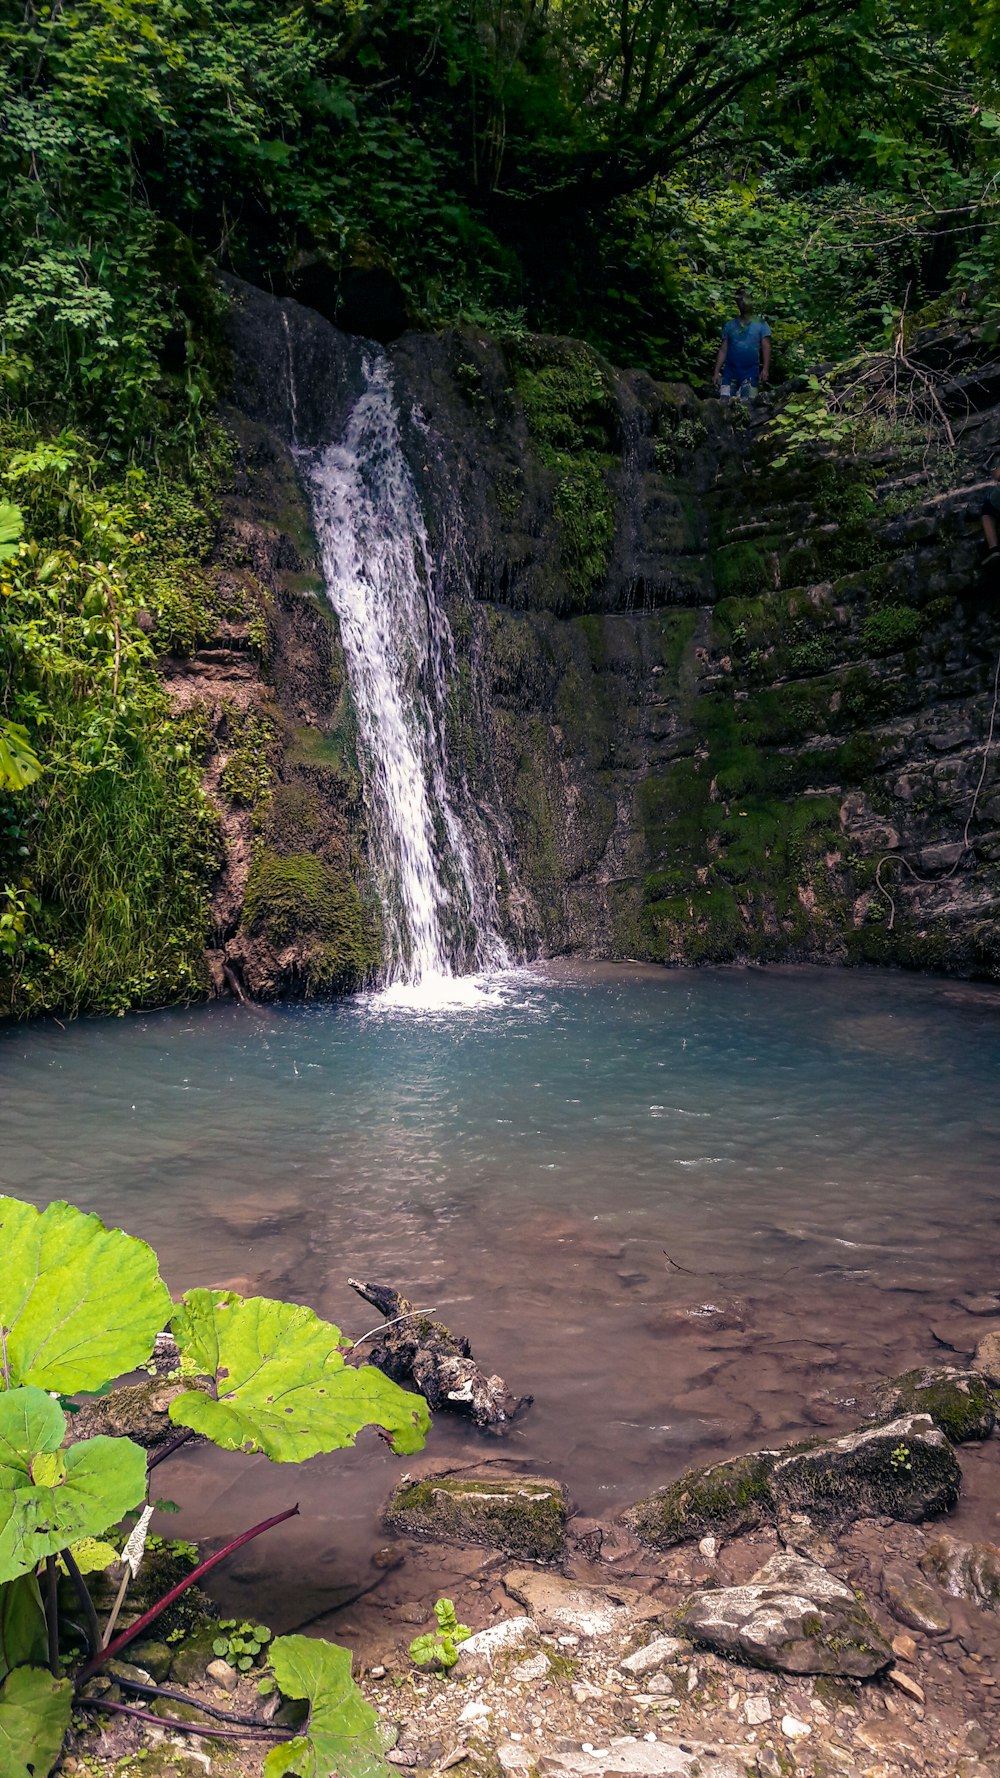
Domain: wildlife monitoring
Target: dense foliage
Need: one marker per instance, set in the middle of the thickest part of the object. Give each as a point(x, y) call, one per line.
point(600, 168)
point(606, 166)
point(79, 1305)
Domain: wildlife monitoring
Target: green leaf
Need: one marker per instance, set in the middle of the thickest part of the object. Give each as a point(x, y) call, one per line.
point(424, 1649)
point(447, 1617)
point(92, 1555)
point(79, 1303)
point(220, 1647)
point(50, 1497)
point(19, 763)
point(23, 1640)
point(11, 526)
point(282, 1385)
point(34, 1717)
point(342, 1734)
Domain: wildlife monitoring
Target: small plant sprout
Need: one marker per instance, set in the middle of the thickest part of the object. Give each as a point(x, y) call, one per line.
point(900, 1457)
point(440, 1647)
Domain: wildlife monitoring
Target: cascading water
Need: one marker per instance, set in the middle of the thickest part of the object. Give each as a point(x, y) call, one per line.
point(439, 912)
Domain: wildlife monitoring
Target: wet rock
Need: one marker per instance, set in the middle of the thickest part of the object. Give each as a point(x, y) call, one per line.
point(191, 1658)
point(522, 1516)
point(903, 1470)
point(140, 1411)
point(986, 1303)
point(478, 1654)
point(413, 1348)
point(966, 1570)
point(960, 1402)
point(912, 1601)
point(156, 1657)
point(559, 1604)
point(723, 1500)
point(792, 1617)
point(987, 1359)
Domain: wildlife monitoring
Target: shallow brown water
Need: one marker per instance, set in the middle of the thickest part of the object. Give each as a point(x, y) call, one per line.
point(689, 1212)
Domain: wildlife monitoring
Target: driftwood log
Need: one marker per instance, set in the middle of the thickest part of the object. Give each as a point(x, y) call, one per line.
point(412, 1348)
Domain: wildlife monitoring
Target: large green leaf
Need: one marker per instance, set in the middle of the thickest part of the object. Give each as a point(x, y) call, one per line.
point(23, 1639)
point(11, 526)
point(50, 1497)
point(79, 1303)
point(19, 763)
point(34, 1717)
point(282, 1386)
point(342, 1735)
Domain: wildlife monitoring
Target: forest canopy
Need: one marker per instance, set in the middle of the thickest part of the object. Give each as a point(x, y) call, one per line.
point(601, 167)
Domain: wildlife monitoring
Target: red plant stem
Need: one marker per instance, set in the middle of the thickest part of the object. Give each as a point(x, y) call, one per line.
point(125, 1636)
point(168, 1450)
point(176, 1722)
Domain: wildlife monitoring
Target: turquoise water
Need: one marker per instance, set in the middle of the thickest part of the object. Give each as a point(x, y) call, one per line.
point(687, 1211)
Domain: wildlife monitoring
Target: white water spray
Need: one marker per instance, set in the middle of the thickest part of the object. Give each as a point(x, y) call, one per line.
point(438, 913)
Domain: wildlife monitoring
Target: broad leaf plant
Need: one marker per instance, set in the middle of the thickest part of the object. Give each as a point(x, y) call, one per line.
point(81, 1305)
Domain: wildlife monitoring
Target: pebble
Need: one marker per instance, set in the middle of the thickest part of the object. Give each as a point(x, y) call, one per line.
point(904, 1648)
point(655, 1654)
point(757, 1708)
point(526, 1671)
point(475, 1712)
point(223, 1675)
point(709, 1548)
point(660, 1685)
point(377, 1672)
point(905, 1682)
point(792, 1727)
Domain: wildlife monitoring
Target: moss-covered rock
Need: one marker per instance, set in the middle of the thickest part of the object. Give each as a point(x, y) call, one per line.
point(723, 1500)
point(524, 1516)
point(903, 1470)
point(960, 1402)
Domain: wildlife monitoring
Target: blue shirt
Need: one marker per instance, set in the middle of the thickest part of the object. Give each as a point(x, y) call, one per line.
point(744, 340)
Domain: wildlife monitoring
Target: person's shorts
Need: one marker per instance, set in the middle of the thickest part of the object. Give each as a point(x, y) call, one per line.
point(732, 388)
point(991, 503)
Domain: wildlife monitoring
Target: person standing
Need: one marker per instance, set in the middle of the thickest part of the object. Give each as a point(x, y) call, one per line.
point(744, 356)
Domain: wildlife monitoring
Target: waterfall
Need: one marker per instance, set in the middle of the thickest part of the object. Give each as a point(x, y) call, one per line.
point(438, 904)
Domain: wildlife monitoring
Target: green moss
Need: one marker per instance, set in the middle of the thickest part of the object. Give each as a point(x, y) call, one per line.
point(960, 1403)
point(248, 740)
point(741, 568)
point(677, 630)
point(299, 900)
point(571, 416)
point(890, 628)
point(724, 1500)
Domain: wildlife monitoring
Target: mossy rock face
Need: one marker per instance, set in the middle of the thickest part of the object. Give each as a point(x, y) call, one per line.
point(524, 1516)
point(724, 1500)
point(298, 900)
point(903, 1470)
point(961, 1403)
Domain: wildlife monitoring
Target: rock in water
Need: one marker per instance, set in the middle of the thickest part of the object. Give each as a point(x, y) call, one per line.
point(966, 1570)
point(793, 1617)
point(725, 1499)
point(903, 1470)
point(439, 1363)
point(523, 1516)
point(987, 1359)
point(960, 1402)
point(912, 1601)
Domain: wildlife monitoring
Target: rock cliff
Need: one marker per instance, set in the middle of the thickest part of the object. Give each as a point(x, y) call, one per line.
point(712, 701)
